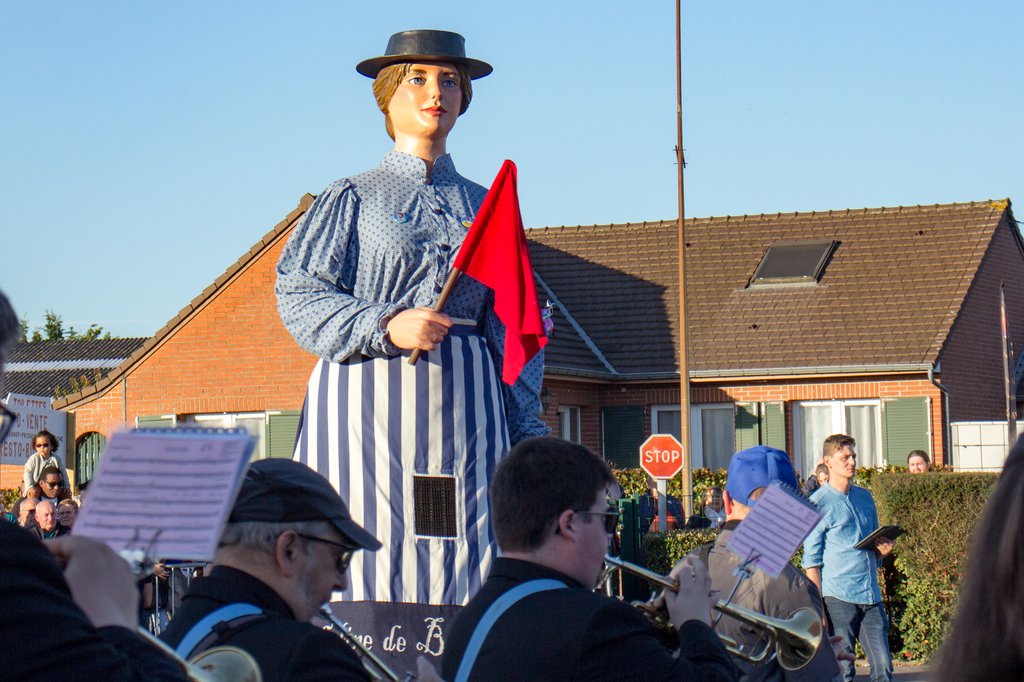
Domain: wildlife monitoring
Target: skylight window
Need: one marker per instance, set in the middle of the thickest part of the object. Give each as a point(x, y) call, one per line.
point(792, 263)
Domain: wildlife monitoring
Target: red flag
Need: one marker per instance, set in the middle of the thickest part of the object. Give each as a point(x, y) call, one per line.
point(495, 254)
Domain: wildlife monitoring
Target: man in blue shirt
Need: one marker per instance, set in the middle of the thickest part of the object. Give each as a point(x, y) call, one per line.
point(848, 577)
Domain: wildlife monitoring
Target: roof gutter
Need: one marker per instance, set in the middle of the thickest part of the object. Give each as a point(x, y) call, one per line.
point(947, 437)
point(819, 370)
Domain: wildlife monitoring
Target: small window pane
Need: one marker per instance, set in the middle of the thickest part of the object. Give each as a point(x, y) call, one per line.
point(792, 263)
point(569, 423)
point(816, 425)
point(667, 421)
point(862, 424)
point(716, 427)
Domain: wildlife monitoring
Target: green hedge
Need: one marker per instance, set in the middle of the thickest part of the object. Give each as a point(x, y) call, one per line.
point(634, 481)
point(9, 496)
point(938, 513)
point(920, 581)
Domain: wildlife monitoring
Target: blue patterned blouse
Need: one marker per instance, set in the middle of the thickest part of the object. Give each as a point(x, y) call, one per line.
point(381, 242)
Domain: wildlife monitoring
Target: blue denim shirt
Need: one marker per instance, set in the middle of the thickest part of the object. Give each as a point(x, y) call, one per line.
point(846, 573)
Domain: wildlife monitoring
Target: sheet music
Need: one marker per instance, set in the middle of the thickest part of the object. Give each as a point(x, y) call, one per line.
point(167, 492)
point(774, 528)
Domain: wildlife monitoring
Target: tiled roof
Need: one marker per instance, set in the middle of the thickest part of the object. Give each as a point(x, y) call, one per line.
point(40, 368)
point(887, 297)
point(893, 287)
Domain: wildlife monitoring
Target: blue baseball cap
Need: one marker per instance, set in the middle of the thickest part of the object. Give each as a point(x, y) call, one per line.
point(755, 468)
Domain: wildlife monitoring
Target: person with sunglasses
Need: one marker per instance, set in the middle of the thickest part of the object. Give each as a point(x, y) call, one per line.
point(78, 583)
point(44, 456)
point(286, 548)
point(537, 617)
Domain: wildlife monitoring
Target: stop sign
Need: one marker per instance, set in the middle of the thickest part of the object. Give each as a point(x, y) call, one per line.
point(661, 455)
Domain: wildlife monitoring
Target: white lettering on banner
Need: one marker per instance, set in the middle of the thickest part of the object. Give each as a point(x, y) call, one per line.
point(434, 642)
point(365, 640)
point(394, 641)
point(34, 415)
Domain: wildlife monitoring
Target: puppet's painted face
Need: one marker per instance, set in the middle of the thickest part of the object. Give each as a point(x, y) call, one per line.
point(427, 101)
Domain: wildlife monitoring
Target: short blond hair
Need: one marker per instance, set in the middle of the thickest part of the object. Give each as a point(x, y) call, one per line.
point(390, 77)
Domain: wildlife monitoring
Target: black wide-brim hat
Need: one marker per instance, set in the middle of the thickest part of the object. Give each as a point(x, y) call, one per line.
point(425, 45)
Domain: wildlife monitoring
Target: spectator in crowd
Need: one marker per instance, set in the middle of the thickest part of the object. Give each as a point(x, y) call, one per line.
point(712, 511)
point(816, 479)
point(918, 462)
point(846, 576)
point(46, 521)
point(27, 512)
point(537, 617)
point(92, 603)
point(986, 641)
point(67, 513)
point(750, 472)
point(51, 485)
point(648, 508)
point(286, 548)
point(45, 445)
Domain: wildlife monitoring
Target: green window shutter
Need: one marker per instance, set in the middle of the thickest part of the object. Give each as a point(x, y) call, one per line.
point(623, 434)
point(154, 422)
point(281, 429)
point(905, 427)
point(773, 425)
point(747, 432)
point(88, 449)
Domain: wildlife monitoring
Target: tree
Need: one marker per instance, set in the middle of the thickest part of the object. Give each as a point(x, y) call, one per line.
point(53, 330)
point(53, 327)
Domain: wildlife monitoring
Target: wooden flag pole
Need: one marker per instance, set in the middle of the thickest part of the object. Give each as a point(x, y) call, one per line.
point(442, 299)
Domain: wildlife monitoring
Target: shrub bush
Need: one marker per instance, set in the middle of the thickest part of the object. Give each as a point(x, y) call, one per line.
point(9, 496)
point(634, 481)
point(938, 513)
point(919, 583)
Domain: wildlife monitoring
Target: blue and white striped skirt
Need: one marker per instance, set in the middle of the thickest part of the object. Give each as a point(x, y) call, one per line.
point(411, 450)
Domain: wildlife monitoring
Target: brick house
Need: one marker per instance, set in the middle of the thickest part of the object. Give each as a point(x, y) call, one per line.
point(893, 334)
point(55, 368)
point(882, 323)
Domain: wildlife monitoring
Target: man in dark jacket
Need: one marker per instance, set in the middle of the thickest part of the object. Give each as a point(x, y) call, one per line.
point(91, 605)
point(537, 617)
point(286, 548)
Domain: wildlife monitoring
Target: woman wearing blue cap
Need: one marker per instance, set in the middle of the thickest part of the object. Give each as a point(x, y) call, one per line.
point(410, 447)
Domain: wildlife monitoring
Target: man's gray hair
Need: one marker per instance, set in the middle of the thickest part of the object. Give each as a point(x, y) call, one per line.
point(8, 327)
point(261, 535)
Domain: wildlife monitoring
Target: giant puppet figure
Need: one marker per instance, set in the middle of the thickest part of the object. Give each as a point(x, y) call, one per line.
point(410, 447)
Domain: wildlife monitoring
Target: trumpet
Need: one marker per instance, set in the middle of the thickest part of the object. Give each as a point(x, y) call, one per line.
point(377, 668)
point(795, 640)
point(217, 664)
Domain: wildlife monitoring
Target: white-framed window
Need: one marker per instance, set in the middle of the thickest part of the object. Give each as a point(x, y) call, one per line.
point(253, 422)
point(814, 421)
point(712, 431)
point(569, 423)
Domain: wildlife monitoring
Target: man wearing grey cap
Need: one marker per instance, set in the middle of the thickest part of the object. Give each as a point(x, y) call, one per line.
point(750, 472)
point(285, 549)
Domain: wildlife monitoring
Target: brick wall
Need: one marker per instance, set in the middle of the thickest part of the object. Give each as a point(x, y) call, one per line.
point(971, 360)
point(591, 397)
point(231, 355)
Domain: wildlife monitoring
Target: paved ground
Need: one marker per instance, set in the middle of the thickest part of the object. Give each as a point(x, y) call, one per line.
point(901, 673)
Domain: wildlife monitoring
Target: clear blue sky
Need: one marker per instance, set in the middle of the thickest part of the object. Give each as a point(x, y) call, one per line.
point(147, 145)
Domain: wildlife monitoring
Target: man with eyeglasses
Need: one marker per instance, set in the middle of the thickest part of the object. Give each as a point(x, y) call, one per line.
point(537, 617)
point(285, 549)
point(51, 485)
point(79, 583)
